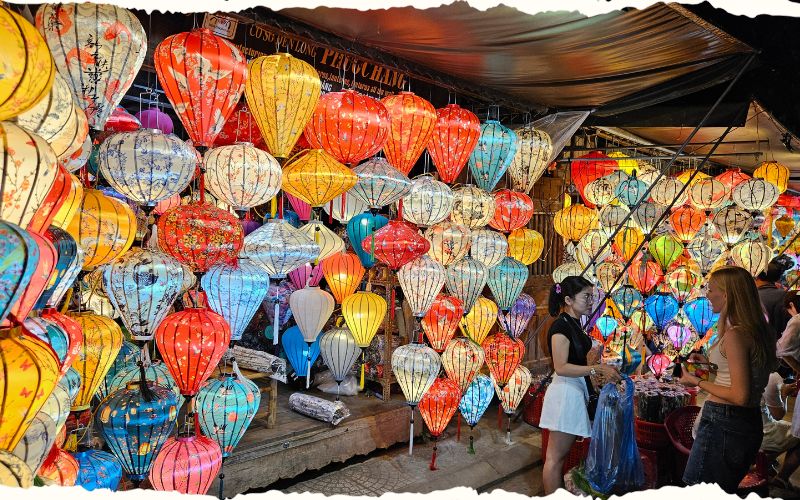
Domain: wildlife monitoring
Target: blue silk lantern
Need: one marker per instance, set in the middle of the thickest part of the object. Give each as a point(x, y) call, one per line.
point(627, 299)
point(506, 281)
point(235, 292)
point(226, 405)
point(19, 255)
point(492, 155)
point(630, 191)
point(67, 250)
point(606, 325)
point(475, 401)
point(361, 227)
point(631, 358)
point(135, 423)
point(661, 307)
point(291, 217)
point(298, 351)
point(97, 469)
point(127, 353)
point(700, 315)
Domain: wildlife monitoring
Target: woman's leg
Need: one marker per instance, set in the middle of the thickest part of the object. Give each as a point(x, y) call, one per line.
point(558, 446)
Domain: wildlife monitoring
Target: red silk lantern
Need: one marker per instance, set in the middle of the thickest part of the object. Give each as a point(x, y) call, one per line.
point(191, 343)
point(644, 274)
point(203, 77)
point(687, 221)
point(441, 321)
point(503, 355)
point(74, 334)
point(60, 467)
point(200, 235)
point(39, 280)
point(513, 210)
point(396, 243)
point(437, 408)
point(454, 137)
point(588, 168)
point(348, 125)
point(343, 272)
point(732, 178)
point(47, 211)
point(187, 464)
point(241, 127)
point(411, 123)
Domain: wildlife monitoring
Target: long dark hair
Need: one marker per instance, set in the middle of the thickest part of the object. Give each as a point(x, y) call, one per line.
point(570, 287)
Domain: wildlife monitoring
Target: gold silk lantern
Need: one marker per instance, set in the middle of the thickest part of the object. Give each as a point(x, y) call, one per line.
point(574, 221)
point(478, 322)
point(102, 341)
point(449, 241)
point(364, 312)
point(316, 177)
point(525, 245)
point(628, 241)
point(104, 228)
point(625, 163)
point(774, 173)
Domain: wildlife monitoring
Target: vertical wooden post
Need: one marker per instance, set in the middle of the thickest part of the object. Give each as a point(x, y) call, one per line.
point(273, 403)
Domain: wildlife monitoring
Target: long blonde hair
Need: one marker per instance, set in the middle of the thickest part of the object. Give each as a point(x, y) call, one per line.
point(743, 310)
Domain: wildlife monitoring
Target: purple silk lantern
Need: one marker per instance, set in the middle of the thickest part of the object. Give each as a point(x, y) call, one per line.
point(678, 334)
point(306, 275)
point(516, 320)
point(155, 118)
point(280, 293)
point(250, 225)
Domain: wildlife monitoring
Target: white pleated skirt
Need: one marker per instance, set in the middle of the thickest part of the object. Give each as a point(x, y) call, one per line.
point(564, 407)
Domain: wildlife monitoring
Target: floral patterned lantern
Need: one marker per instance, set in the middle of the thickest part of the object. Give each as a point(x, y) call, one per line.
point(512, 210)
point(670, 192)
point(612, 217)
point(488, 247)
point(186, 464)
point(503, 355)
point(752, 255)
point(441, 320)
point(316, 177)
point(58, 195)
point(227, 405)
point(396, 244)
point(574, 221)
point(154, 371)
point(71, 202)
point(53, 335)
point(449, 242)
point(343, 273)
point(707, 194)
point(411, 122)
point(608, 273)
point(590, 167)
point(465, 280)
point(631, 191)
point(97, 469)
point(512, 393)
point(515, 321)
point(279, 248)
point(102, 341)
point(731, 223)
point(242, 175)
point(236, 292)
point(62, 469)
point(686, 221)
point(104, 228)
point(203, 76)
point(525, 245)
point(415, 366)
point(421, 281)
point(647, 215)
point(428, 202)
point(437, 408)
point(627, 299)
point(600, 192)
point(476, 399)
point(755, 195)
point(379, 183)
point(775, 173)
point(364, 312)
point(493, 154)
point(462, 359)
point(472, 207)
point(534, 149)
point(506, 281)
point(480, 320)
point(454, 138)
point(339, 352)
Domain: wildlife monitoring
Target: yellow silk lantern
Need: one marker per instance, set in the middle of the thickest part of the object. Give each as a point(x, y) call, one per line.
point(282, 93)
point(687, 174)
point(625, 163)
point(574, 221)
point(628, 241)
point(364, 312)
point(525, 245)
point(478, 322)
point(104, 228)
point(316, 177)
point(774, 173)
point(102, 341)
point(641, 321)
point(72, 203)
point(28, 67)
point(686, 221)
point(784, 225)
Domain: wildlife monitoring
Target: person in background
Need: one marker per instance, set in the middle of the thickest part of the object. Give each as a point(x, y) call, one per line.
point(564, 411)
point(730, 431)
point(778, 437)
point(789, 343)
point(772, 296)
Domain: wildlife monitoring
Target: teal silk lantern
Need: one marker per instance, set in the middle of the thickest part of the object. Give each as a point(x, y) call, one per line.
point(492, 155)
point(360, 228)
point(127, 353)
point(67, 250)
point(19, 255)
point(236, 292)
point(97, 469)
point(631, 191)
point(661, 307)
point(607, 325)
point(627, 299)
point(155, 371)
point(506, 281)
point(474, 403)
point(700, 315)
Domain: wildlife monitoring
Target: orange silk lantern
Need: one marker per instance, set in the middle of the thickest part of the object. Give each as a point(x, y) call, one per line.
point(513, 210)
point(52, 203)
point(686, 221)
point(503, 355)
point(732, 178)
point(454, 137)
point(437, 407)
point(644, 274)
point(627, 242)
point(411, 123)
point(588, 168)
point(70, 205)
point(574, 221)
point(62, 469)
point(441, 320)
point(343, 272)
point(203, 77)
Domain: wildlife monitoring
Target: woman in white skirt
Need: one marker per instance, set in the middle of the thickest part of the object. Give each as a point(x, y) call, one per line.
point(564, 411)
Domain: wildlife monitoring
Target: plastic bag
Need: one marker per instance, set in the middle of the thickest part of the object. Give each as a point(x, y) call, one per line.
point(630, 476)
point(326, 383)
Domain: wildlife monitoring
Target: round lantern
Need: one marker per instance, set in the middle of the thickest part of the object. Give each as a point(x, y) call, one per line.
point(752, 255)
point(311, 307)
point(670, 192)
point(343, 273)
point(492, 155)
point(396, 243)
point(379, 183)
point(592, 246)
point(506, 281)
point(203, 77)
point(316, 177)
point(348, 125)
point(339, 352)
point(665, 248)
point(612, 217)
point(515, 321)
point(364, 312)
point(441, 320)
point(488, 247)
point(512, 210)
point(282, 93)
point(227, 405)
point(428, 202)
point(707, 194)
point(279, 248)
point(686, 221)
point(135, 423)
point(53, 335)
point(647, 215)
point(344, 207)
point(102, 341)
point(454, 138)
point(97, 469)
point(154, 371)
point(755, 195)
point(359, 228)
point(775, 173)
point(476, 399)
point(449, 242)
point(241, 175)
point(574, 221)
point(421, 281)
point(236, 292)
point(328, 241)
point(71, 202)
point(465, 280)
point(411, 123)
point(462, 359)
point(525, 245)
point(566, 269)
point(14, 472)
point(478, 322)
point(191, 343)
point(472, 207)
point(731, 223)
point(62, 469)
point(600, 192)
point(631, 191)
point(186, 464)
point(156, 119)
point(415, 366)
point(534, 149)
point(503, 355)
point(589, 167)
point(104, 228)
point(437, 408)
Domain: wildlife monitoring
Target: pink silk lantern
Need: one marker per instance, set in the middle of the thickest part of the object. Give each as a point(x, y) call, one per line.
point(306, 275)
point(301, 208)
point(186, 464)
point(658, 363)
point(156, 119)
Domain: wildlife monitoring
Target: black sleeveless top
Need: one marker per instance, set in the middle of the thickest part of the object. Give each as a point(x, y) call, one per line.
point(579, 343)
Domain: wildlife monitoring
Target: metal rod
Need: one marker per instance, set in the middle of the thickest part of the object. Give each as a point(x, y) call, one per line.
point(667, 157)
point(648, 146)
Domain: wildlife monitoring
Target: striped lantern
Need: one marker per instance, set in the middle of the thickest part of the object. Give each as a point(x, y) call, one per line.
point(57, 405)
point(242, 175)
point(343, 273)
point(396, 244)
point(754, 256)
point(731, 223)
point(65, 281)
point(415, 366)
point(465, 280)
point(707, 194)
point(364, 312)
point(668, 191)
point(600, 192)
point(775, 173)
point(462, 359)
point(411, 123)
point(56, 197)
point(479, 320)
point(437, 408)
point(62, 469)
point(339, 352)
point(154, 371)
point(102, 341)
point(476, 399)
point(526, 245)
point(20, 258)
point(647, 214)
point(665, 248)
point(755, 195)
point(686, 221)
point(103, 227)
point(428, 202)
point(732, 178)
point(609, 219)
point(534, 149)
point(301, 354)
point(514, 390)
point(316, 177)
point(344, 207)
point(644, 274)
point(279, 248)
point(379, 183)
point(608, 273)
point(421, 281)
point(631, 191)
point(515, 321)
point(306, 275)
point(503, 355)
point(97, 469)
point(441, 321)
point(37, 441)
point(472, 206)
point(71, 203)
point(186, 464)
point(55, 336)
point(574, 221)
point(506, 281)
point(488, 247)
point(454, 138)
point(449, 242)
point(512, 210)
point(492, 156)
point(329, 242)
point(236, 292)
point(588, 168)
point(203, 76)
point(45, 266)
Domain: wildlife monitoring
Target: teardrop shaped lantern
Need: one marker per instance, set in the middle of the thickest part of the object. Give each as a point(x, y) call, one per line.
point(644, 274)
point(136, 423)
point(97, 469)
point(506, 281)
point(191, 343)
point(345, 207)
point(364, 312)
point(454, 138)
point(339, 352)
point(226, 407)
point(731, 223)
point(104, 228)
point(700, 314)
point(462, 359)
point(449, 242)
point(361, 227)
point(515, 321)
point(316, 177)
point(512, 210)
point(282, 93)
point(379, 183)
point(662, 308)
point(348, 125)
point(588, 168)
point(279, 248)
point(488, 247)
point(441, 321)
point(465, 280)
point(627, 299)
point(754, 256)
point(102, 341)
point(472, 206)
point(515, 389)
point(37, 281)
point(479, 320)
point(775, 173)
point(683, 282)
point(311, 307)
point(534, 149)
point(236, 292)
point(755, 195)
point(396, 243)
point(437, 408)
point(574, 221)
point(476, 399)
point(686, 221)
point(707, 194)
point(242, 175)
point(428, 202)
point(71, 203)
point(669, 192)
point(203, 76)
point(647, 215)
point(503, 355)
point(421, 281)
point(186, 464)
point(415, 366)
point(492, 155)
point(525, 245)
point(411, 123)
point(665, 248)
point(343, 273)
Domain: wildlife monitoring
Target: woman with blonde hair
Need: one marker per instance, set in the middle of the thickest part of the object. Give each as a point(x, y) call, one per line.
point(730, 430)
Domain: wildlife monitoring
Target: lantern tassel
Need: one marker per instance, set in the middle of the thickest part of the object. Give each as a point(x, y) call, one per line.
point(411, 434)
point(471, 449)
point(508, 431)
point(308, 369)
point(273, 206)
point(458, 428)
point(361, 382)
point(330, 212)
point(221, 479)
point(275, 322)
point(432, 466)
point(338, 390)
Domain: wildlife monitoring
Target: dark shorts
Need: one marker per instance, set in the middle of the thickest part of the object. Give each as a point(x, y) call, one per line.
point(728, 439)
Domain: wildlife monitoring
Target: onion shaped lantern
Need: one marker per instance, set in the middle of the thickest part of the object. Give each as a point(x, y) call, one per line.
point(97, 469)
point(102, 341)
point(493, 154)
point(282, 93)
point(411, 123)
point(686, 222)
point(631, 191)
point(669, 192)
point(345, 207)
point(428, 202)
point(62, 469)
point(242, 175)
point(678, 334)
point(465, 280)
point(437, 408)
point(600, 192)
point(329, 242)
point(613, 216)
point(415, 366)
point(755, 195)
point(348, 125)
point(515, 321)
point(506, 281)
point(707, 194)
point(203, 76)
point(574, 221)
point(71, 202)
point(191, 343)
point(754, 256)
point(236, 292)
point(449, 242)
point(566, 269)
point(488, 247)
point(279, 248)
point(186, 464)
point(662, 308)
point(343, 273)
point(525, 245)
point(627, 299)
point(379, 183)
point(454, 137)
point(775, 173)
point(316, 177)
point(512, 210)
point(647, 215)
point(474, 402)
point(588, 168)
point(339, 352)
point(503, 355)
point(472, 206)
point(534, 149)
point(396, 244)
point(479, 321)
point(104, 228)
point(462, 359)
point(360, 228)
point(364, 312)
point(607, 325)
point(441, 321)
point(665, 249)
point(731, 223)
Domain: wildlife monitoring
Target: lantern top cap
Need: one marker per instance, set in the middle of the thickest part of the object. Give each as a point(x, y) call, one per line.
point(243, 143)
